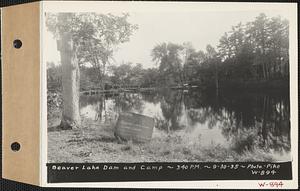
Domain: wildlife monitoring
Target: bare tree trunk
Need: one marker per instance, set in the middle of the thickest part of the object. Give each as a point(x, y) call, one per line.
point(70, 83)
point(217, 80)
point(103, 76)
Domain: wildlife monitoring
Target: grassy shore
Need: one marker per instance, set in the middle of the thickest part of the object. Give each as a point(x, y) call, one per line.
point(95, 142)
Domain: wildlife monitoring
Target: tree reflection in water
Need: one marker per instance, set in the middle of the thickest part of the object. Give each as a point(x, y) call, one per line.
point(249, 120)
point(246, 120)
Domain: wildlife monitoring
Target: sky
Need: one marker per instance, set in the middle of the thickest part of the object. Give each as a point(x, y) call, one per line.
point(154, 27)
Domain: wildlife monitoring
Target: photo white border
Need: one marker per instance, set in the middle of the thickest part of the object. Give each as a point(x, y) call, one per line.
point(117, 6)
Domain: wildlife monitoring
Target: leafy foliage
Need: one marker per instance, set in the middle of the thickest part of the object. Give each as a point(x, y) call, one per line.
point(96, 35)
point(257, 51)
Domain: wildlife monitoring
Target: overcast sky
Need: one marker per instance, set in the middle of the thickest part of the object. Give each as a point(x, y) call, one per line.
point(200, 28)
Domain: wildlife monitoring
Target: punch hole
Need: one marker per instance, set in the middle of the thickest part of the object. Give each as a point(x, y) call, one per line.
point(15, 146)
point(17, 43)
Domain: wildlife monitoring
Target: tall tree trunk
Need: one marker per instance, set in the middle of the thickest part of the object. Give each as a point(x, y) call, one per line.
point(100, 78)
point(217, 79)
point(103, 76)
point(70, 82)
point(264, 71)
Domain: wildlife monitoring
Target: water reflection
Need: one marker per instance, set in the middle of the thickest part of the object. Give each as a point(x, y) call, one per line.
point(240, 121)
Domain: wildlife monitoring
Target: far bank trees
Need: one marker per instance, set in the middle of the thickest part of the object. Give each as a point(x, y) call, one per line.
point(257, 51)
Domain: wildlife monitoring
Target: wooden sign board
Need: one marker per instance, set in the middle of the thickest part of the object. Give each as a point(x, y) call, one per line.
point(135, 127)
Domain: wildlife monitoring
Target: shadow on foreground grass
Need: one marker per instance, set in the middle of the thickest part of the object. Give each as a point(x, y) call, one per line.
point(96, 143)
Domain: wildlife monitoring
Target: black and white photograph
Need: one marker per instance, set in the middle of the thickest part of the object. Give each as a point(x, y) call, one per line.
point(168, 85)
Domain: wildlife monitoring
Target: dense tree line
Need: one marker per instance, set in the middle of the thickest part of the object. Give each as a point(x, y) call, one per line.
point(257, 51)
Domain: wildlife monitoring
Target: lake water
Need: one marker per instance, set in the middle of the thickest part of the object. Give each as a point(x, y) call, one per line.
point(240, 121)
